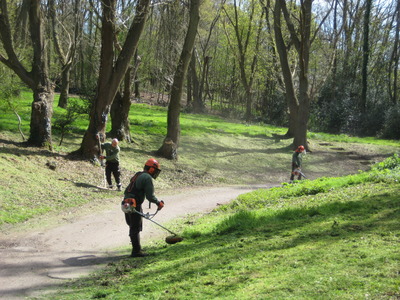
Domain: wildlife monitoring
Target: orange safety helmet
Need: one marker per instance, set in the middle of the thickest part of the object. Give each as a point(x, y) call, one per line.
point(300, 148)
point(152, 167)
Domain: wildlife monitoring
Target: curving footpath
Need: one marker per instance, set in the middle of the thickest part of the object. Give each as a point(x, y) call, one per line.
point(32, 263)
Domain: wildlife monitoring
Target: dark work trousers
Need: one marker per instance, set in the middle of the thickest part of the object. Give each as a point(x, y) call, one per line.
point(113, 167)
point(135, 223)
point(294, 166)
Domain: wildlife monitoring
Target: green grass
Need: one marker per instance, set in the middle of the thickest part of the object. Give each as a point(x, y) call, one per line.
point(386, 171)
point(333, 237)
point(340, 244)
point(344, 138)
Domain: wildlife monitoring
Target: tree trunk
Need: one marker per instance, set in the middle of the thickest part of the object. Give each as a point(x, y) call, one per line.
point(64, 89)
point(243, 33)
point(66, 46)
point(363, 100)
point(302, 45)
point(171, 141)
point(120, 125)
point(290, 94)
point(300, 136)
point(42, 111)
point(111, 74)
point(394, 60)
point(189, 87)
point(37, 79)
point(135, 78)
point(198, 105)
point(203, 81)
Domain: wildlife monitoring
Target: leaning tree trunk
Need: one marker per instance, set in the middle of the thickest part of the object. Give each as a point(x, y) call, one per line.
point(112, 71)
point(120, 124)
point(171, 141)
point(290, 93)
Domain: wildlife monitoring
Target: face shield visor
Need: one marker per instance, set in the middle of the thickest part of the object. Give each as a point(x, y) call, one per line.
point(155, 173)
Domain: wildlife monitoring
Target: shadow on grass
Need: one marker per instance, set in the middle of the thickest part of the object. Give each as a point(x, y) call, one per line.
point(91, 260)
point(247, 235)
point(24, 149)
point(365, 213)
point(91, 186)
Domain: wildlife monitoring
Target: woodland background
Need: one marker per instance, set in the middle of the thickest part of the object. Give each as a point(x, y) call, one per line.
point(328, 66)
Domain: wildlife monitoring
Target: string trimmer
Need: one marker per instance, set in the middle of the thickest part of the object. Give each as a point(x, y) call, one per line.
point(129, 206)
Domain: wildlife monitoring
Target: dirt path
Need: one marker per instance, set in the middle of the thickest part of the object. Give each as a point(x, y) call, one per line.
point(32, 263)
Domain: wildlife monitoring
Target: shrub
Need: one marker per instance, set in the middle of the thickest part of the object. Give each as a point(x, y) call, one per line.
point(389, 163)
point(391, 126)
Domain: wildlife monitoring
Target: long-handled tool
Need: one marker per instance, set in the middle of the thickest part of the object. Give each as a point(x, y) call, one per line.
point(131, 208)
point(302, 174)
point(102, 161)
point(172, 239)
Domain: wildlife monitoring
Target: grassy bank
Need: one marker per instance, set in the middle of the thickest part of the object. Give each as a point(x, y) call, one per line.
point(336, 242)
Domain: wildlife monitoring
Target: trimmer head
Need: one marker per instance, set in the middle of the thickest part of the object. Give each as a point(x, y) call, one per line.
point(173, 239)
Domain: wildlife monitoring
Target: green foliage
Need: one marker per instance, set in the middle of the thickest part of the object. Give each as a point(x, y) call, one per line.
point(63, 119)
point(390, 163)
point(10, 94)
point(391, 127)
point(22, 104)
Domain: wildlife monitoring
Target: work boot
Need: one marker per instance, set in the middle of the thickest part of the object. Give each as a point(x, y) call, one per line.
point(139, 254)
point(136, 247)
point(110, 186)
point(119, 187)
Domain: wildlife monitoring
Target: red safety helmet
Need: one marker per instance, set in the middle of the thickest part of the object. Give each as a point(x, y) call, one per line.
point(152, 167)
point(300, 148)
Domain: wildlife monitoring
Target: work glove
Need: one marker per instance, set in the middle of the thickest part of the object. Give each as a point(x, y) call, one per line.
point(160, 205)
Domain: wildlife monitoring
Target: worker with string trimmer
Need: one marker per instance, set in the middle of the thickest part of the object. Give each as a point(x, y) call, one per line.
point(297, 159)
point(140, 187)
